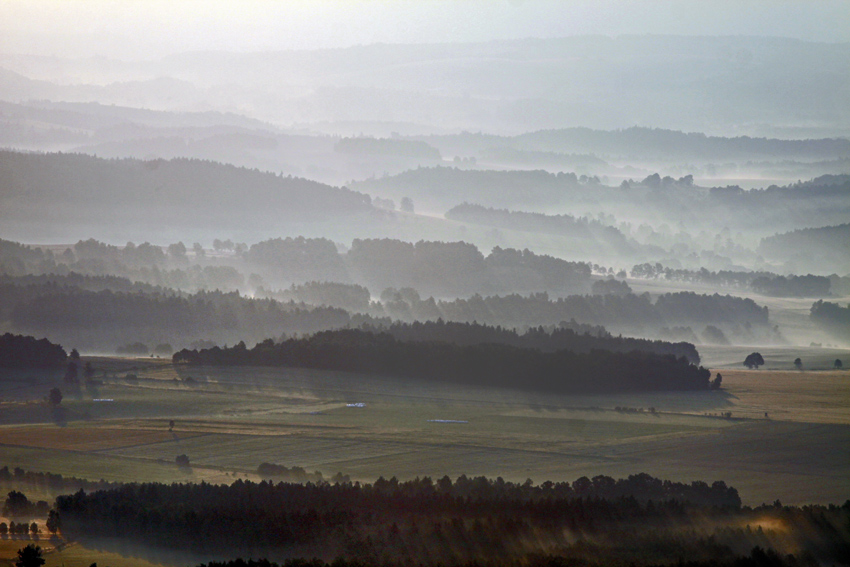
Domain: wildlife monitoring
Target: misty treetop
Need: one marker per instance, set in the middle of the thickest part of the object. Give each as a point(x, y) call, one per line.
point(820, 201)
point(85, 310)
point(611, 310)
point(434, 267)
point(593, 232)
point(561, 337)
point(105, 319)
point(765, 283)
point(483, 365)
point(812, 247)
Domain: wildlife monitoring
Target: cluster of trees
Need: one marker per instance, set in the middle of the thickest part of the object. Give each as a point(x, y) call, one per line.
point(351, 297)
point(17, 504)
point(282, 473)
point(565, 336)
point(459, 268)
point(20, 528)
point(485, 365)
point(20, 351)
point(765, 283)
point(96, 266)
point(299, 259)
point(19, 259)
point(434, 267)
point(427, 521)
point(832, 318)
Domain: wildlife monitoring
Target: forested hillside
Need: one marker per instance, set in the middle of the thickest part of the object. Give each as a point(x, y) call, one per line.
point(483, 365)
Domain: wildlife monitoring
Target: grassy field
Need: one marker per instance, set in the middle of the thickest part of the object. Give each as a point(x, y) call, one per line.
point(230, 420)
point(786, 439)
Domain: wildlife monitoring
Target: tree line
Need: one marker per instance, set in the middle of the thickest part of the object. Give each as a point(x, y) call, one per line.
point(765, 283)
point(551, 339)
point(274, 515)
point(599, 237)
point(441, 521)
point(623, 311)
point(485, 365)
point(107, 319)
point(757, 557)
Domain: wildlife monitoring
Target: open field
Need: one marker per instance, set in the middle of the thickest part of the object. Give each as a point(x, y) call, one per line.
point(229, 420)
point(70, 555)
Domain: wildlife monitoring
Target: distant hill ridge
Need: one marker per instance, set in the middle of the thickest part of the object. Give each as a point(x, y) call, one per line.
point(176, 192)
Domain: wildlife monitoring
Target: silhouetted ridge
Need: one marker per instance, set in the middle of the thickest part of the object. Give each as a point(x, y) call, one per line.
point(484, 365)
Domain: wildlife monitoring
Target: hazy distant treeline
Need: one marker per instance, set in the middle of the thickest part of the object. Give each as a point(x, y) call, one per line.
point(104, 320)
point(85, 311)
point(592, 232)
point(434, 267)
point(630, 310)
point(816, 202)
point(646, 143)
point(485, 365)
point(811, 247)
point(765, 283)
point(179, 192)
point(51, 482)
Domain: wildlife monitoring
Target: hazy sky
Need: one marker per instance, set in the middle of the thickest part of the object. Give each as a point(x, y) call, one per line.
point(151, 28)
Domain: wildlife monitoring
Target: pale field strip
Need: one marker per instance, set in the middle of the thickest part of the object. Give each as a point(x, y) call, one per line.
point(78, 438)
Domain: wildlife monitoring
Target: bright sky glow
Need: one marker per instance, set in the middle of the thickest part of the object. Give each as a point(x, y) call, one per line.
point(152, 28)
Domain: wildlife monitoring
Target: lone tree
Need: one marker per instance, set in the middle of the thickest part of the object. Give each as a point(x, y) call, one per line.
point(54, 523)
point(29, 556)
point(837, 364)
point(798, 363)
point(182, 460)
point(753, 360)
point(715, 384)
point(55, 397)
